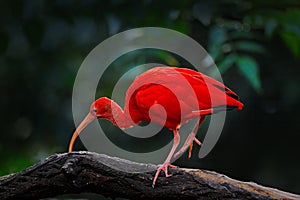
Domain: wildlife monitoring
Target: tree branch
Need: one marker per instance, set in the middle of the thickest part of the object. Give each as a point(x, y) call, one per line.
point(79, 172)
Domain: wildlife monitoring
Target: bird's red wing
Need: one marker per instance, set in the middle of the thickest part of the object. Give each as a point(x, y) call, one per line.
point(182, 92)
point(149, 96)
point(216, 88)
point(208, 80)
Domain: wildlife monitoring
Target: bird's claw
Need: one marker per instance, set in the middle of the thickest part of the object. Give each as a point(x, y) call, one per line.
point(163, 167)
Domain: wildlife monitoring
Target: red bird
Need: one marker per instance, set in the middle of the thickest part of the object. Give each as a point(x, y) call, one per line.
point(185, 94)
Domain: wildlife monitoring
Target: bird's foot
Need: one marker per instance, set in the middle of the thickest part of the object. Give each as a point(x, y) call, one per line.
point(191, 146)
point(163, 167)
point(188, 143)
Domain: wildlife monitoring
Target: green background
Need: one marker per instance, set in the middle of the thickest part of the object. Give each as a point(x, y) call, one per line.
point(255, 44)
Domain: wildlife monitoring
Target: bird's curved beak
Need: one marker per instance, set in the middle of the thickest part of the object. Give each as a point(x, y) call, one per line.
point(88, 119)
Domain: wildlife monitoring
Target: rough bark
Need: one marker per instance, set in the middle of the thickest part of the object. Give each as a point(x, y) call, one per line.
point(80, 172)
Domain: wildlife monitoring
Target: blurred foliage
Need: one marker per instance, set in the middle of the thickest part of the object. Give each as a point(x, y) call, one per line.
point(235, 37)
point(255, 44)
point(15, 162)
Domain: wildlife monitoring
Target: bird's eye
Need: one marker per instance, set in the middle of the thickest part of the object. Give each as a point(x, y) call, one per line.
point(95, 110)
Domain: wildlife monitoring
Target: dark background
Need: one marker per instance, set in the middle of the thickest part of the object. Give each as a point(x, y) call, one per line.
point(256, 45)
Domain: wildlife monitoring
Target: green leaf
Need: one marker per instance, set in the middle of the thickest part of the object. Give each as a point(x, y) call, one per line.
point(167, 57)
point(181, 26)
point(270, 27)
point(226, 63)
point(223, 65)
point(249, 68)
point(292, 41)
point(249, 46)
point(217, 36)
point(291, 16)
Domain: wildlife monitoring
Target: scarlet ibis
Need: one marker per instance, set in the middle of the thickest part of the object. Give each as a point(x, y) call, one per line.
point(167, 87)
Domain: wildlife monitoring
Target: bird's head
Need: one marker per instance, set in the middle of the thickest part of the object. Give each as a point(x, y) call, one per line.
point(101, 108)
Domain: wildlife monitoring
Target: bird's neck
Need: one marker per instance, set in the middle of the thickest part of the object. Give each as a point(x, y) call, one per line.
point(118, 117)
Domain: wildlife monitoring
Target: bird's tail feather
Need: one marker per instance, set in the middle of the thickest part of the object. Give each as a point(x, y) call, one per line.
point(213, 110)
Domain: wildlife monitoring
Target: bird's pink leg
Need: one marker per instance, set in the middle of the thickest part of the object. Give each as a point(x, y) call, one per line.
point(167, 164)
point(189, 141)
